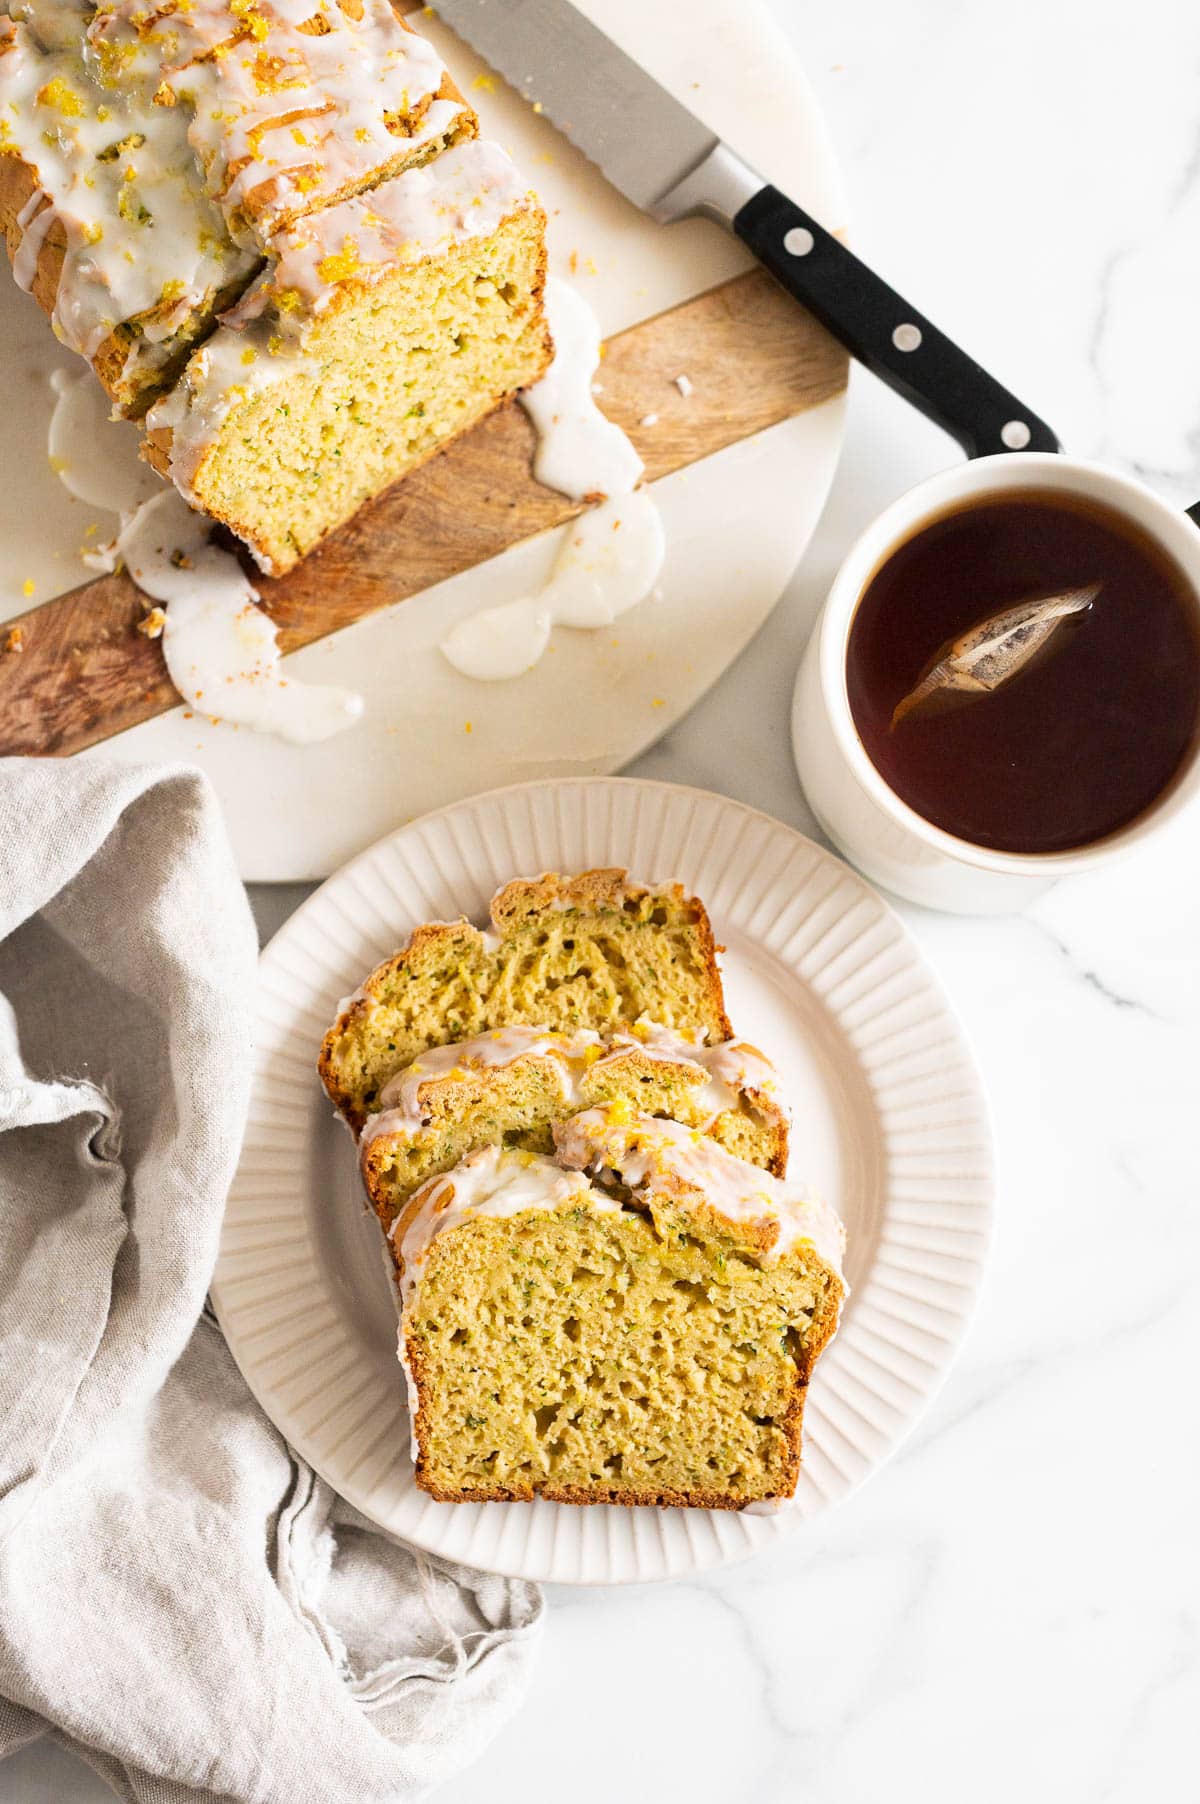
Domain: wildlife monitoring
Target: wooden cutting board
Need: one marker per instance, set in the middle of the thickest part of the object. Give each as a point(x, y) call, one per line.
point(82, 671)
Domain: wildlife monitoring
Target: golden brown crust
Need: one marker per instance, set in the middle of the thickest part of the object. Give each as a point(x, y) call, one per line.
point(18, 185)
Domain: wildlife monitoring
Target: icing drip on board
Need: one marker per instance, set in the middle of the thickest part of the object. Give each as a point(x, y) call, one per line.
point(93, 456)
point(607, 563)
point(610, 557)
point(220, 648)
point(580, 452)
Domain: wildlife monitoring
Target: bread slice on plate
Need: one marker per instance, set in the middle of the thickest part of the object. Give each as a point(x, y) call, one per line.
point(633, 1321)
point(508, 1088)
point(591, 951)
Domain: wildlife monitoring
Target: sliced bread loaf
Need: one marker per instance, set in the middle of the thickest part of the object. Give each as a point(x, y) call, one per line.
point(641, 1335)
point(508, 1087)
point(592, 951)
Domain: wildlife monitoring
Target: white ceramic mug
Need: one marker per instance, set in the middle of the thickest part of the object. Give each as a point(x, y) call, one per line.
point(867, 821)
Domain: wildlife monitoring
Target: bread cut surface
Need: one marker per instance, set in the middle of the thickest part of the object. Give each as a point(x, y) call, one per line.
point(619, 1341)
point(591, 951)
point(384, 328)
point(509, 1087)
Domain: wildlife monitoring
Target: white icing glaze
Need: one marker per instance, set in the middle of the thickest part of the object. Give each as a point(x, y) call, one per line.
point(144, 243)
point(490, 1183)
point(400, 1097)
point(173, 141)
point(283, 119)
point(610, 557)
point(732, 1067)
point(95, 457)
point(220, 648)
point(609, 560)
point(464, 193)
point(722, 1073)
point(580, 452)
point(34, 219)
point(647, 1154)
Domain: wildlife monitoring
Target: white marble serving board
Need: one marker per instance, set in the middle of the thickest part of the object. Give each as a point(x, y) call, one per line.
point(736, 523)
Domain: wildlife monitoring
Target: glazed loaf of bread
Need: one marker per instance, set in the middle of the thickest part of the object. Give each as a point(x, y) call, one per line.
point(242, 195)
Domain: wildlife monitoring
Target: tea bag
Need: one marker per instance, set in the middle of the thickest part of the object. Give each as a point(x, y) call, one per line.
point(993, 650)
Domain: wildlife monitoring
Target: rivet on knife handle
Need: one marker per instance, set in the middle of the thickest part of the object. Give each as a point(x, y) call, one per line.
point(885, 333)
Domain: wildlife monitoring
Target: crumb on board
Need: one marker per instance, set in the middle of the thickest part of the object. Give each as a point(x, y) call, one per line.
point(485, 83)
point(151, 625)
point(537, 106)
point(658, 701)
point(14, 641)
point(685, 385)
point(467, 728)
point(27, 587)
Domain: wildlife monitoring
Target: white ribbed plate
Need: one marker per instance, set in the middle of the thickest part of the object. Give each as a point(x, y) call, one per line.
point(889, 1122)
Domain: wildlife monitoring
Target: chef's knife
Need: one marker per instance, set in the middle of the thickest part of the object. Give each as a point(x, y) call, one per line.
point(670, 165)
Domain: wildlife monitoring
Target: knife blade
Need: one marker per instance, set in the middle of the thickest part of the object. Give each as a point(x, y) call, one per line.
point(670, 165)
point(644, 141)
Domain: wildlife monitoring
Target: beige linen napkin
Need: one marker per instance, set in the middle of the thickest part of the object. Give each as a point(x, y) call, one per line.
point(181, 1599)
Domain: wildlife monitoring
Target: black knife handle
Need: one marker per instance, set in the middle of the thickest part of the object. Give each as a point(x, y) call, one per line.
point(887, 335)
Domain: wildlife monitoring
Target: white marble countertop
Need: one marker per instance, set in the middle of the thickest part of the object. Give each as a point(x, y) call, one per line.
point(1010, 1608)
